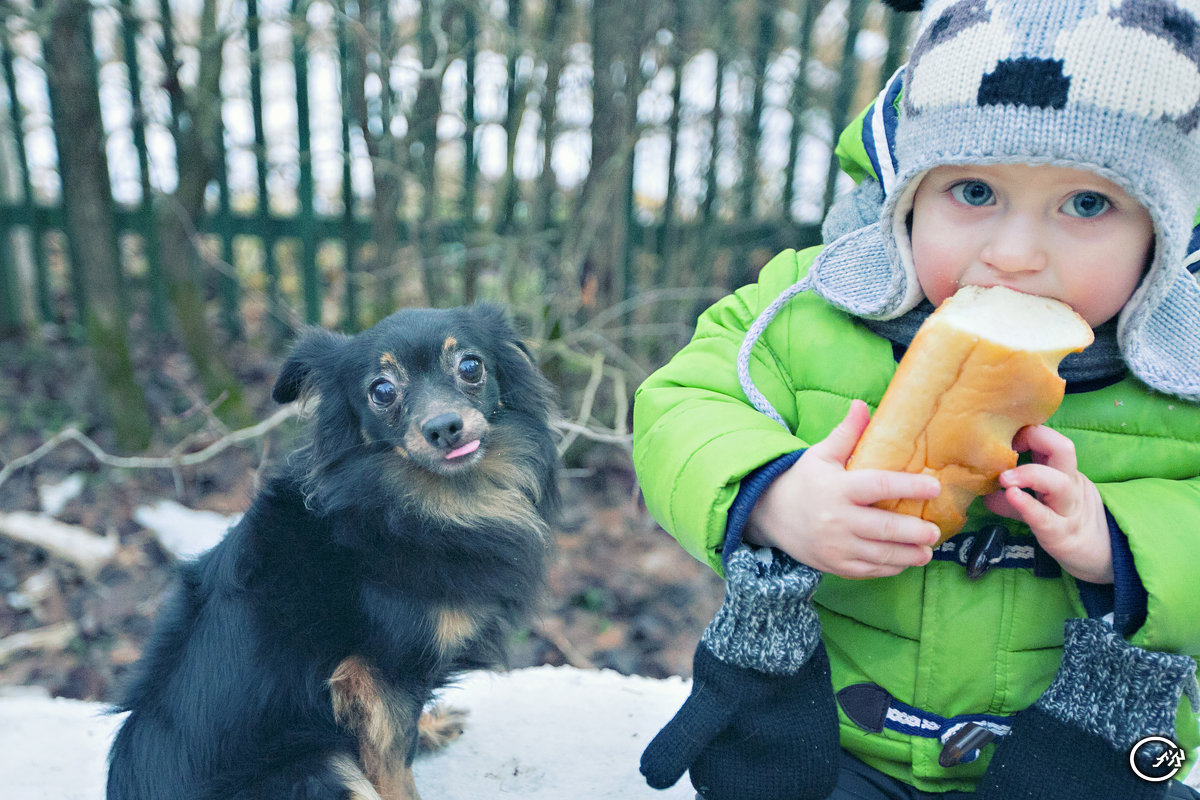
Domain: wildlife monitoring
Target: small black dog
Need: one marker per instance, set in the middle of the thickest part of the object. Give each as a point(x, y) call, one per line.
point(397, 549)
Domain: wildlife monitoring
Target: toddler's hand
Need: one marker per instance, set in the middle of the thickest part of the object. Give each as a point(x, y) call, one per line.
point(822, 515)
point(1064, 512)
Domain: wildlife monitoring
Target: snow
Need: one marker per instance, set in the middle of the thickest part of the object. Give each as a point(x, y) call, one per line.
point(55, 496)
point(542, 733)
point(182, 531)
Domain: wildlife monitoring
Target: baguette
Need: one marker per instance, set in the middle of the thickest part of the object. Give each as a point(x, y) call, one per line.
point(981, 367)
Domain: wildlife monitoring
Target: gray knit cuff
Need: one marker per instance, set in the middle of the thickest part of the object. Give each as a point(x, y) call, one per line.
point(767, 621)
point(1114, 690)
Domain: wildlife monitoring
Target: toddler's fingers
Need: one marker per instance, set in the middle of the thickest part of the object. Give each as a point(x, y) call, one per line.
point(1053, 487)
point(869, 486)
point(897, 562)
point(1049, 447)
point(879, 526)
point(840, 442)
point(1037, 515)
point(997, 503)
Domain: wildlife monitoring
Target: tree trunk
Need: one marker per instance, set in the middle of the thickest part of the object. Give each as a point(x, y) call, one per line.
point(620, 31)
point(197, 147)
point(374, 43)
point(90, 219)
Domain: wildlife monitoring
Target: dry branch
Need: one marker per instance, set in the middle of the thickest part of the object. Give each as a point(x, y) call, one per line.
point(51, 637)
point(173, 461)
point(79, 546)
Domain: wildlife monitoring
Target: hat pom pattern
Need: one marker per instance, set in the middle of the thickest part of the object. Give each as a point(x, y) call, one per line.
point(904, 5)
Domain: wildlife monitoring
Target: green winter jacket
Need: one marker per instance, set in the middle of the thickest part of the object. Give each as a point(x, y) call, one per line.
point(929, 636)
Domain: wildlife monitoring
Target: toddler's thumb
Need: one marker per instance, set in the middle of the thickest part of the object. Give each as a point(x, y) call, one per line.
point(840, 442)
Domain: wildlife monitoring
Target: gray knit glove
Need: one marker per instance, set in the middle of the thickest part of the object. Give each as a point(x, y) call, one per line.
point(760, 720)
point(1107, 696)
point(767, 621)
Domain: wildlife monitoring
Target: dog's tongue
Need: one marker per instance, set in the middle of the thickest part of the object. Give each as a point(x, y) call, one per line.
point(469, 447)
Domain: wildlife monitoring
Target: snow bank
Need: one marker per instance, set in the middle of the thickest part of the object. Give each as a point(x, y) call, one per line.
point(184, 532)
point(544, 733)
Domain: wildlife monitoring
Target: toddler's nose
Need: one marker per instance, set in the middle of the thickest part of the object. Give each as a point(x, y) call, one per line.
point(1015, 246)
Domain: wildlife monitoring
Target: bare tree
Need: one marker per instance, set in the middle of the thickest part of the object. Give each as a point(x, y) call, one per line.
point(621, 30)
point(198, 148)
point(90, 219)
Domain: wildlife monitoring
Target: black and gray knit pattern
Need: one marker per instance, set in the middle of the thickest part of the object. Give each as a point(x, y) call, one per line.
point(767, 621)
point(1114, 690)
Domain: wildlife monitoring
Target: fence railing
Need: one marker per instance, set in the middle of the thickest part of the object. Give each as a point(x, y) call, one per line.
point(369, 154)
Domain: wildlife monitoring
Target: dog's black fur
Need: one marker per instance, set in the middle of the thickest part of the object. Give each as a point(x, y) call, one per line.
point(295, 657)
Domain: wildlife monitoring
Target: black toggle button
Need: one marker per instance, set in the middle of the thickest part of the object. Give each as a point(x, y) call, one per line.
point(966, 740)
point(984, 550)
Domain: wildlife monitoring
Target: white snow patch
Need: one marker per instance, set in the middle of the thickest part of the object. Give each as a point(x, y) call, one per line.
point(543, 733)
point(55, 496)
point(184, 532)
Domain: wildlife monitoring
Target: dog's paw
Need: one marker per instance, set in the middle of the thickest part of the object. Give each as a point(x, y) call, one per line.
point(439, 725)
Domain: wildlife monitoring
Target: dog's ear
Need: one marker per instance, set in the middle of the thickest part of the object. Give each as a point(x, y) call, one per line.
point(522, 385)
point(313, 347)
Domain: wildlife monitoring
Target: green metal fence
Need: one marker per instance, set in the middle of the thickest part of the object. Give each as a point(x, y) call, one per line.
point(379, 153)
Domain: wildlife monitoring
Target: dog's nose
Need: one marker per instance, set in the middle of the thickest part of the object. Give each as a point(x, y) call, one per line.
point(443, 430)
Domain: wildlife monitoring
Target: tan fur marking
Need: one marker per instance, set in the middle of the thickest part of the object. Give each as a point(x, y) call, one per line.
point(454, 629)
point(352, 778)
point(389, 360)
point(489, 502)
point(367, 706)
point(449, 344)
point(439, 726)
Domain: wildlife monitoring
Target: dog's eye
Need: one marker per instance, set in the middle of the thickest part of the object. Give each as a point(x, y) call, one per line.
point(470, 369)
point(382, 392)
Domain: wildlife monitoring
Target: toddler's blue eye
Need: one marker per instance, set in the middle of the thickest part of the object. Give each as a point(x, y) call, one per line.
point(972, 193)
point(1086, 204)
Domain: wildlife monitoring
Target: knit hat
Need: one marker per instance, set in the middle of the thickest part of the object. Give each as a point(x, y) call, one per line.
point(1107, 86)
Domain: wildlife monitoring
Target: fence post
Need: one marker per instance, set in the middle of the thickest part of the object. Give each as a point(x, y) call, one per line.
point(41, 269)
point(675, 60)
point(145, 217)
point(349, 222)
point(308, 259)
point(10, 312)
point(280, 329)
point(227, 279)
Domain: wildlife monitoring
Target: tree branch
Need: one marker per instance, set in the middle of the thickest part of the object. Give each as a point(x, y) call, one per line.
point(175, 460)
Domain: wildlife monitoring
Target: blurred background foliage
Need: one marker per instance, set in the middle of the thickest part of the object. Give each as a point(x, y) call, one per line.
point(187, 182)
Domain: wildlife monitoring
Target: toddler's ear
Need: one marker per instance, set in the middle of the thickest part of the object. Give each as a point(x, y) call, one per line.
point(313, 347)
point(905, 5)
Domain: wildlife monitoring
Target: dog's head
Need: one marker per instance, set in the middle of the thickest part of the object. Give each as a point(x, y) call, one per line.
point(425, 392)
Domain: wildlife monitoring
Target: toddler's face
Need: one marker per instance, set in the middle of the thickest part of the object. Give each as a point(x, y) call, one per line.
point(1046, 230)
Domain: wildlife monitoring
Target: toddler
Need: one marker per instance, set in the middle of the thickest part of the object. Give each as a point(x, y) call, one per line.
point(1052, 147)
